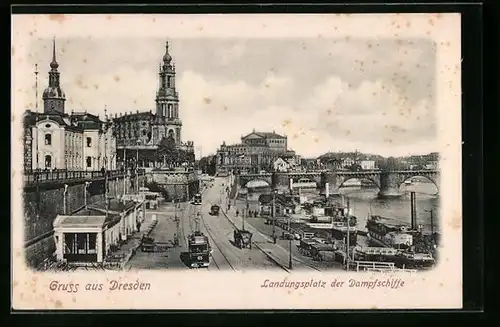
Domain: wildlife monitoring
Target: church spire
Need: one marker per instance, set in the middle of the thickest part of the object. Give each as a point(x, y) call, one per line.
point(53, 96)
point(54, 65)
point(167, 58)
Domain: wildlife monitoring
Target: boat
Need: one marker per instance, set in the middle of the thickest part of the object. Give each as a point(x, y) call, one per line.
point(383, 231)
point(338, 223)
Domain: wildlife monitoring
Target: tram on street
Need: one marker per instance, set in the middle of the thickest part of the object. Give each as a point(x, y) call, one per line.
point(197, 198)
point(199, 250)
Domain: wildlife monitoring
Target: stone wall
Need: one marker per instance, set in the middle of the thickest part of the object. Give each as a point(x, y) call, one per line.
point(49, 199)
point(180, 185)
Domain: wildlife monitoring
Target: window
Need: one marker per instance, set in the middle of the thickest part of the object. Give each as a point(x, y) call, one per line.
point(89, 142)
point(48, 161)
point(89, 162)
point(48, 139)
point(169, 110)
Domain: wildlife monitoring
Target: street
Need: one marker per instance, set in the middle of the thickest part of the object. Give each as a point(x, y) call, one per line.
point(219, 229)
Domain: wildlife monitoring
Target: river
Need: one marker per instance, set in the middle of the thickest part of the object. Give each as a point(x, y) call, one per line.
point(364, 201)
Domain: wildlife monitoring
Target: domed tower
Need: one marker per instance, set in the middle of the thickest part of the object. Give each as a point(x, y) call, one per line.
point(167, 101)
point(53, 96)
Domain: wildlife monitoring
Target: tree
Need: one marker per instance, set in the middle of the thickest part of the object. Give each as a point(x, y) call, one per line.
point(167, 151)
point(355, 167)
point(211, 170)
point(392, 163)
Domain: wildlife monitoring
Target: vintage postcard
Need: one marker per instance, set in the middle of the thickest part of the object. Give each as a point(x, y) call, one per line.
point(236, 161)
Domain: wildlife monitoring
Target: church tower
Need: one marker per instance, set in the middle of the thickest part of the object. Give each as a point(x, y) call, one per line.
point(167, 101)
point(53, 96)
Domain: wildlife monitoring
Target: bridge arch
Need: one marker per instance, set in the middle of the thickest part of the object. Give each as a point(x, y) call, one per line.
point(360, 178)
point(254, 183)
point(409, 177)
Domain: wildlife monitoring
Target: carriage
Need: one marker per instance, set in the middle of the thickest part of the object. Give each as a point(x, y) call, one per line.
point(214, 210)
point(147, 244)
point(243, 238)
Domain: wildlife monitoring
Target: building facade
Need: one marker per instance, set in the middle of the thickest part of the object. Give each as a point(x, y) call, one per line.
point(89, 235)
point(281, 165)
point(54, 139)
point(257, 151)
point(138, 134)
point(367, 164)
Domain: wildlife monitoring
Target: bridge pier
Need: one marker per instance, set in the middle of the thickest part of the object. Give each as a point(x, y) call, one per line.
point(330, 179)
point(281, 182)
point(389, 185)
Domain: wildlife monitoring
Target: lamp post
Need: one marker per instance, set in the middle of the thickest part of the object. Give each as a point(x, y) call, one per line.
point(137, 167)
point(64, 198)
point(348, 234)
point(36, 138)
point(124, 167)
point(106, 161)
point(290, 237)
point(274, 213)
point(85, 194)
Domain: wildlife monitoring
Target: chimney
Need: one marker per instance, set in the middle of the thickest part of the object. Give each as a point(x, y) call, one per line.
point(413, 207)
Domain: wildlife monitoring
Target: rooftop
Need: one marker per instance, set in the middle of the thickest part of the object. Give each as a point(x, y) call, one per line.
point(267, 135)
point(73, 121)
point(80, 221)
point(115, 205)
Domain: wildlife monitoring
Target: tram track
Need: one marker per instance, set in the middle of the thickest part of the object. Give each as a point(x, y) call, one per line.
point(269, 255)
point(192, 213)
point(209, 232)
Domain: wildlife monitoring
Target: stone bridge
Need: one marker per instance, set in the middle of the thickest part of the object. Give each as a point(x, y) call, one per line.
point(388, 182)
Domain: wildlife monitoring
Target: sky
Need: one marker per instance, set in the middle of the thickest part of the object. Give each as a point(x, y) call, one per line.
point(338, 94)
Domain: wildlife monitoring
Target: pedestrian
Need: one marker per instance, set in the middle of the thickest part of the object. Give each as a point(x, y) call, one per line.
point(138, 226)
point(274, 238)
point(237, 212)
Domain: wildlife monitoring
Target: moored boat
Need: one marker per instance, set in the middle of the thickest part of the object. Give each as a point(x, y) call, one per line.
point(384, 232)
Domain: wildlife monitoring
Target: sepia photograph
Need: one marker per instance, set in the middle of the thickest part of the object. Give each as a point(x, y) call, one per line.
point(331, 151)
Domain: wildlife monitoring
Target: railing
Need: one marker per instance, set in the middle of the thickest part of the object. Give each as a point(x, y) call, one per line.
point(33, 177)
point(347, 172)
point(373, 266)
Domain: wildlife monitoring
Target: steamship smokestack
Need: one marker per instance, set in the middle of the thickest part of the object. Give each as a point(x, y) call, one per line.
point(413, 206)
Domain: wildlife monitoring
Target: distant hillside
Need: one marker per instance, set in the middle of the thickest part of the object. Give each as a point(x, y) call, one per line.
point(433, 156)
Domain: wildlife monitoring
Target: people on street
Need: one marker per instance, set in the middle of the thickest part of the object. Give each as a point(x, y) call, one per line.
point(237, 212)
point(138, 226)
